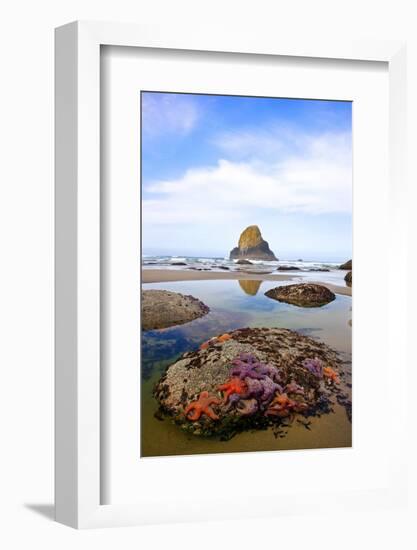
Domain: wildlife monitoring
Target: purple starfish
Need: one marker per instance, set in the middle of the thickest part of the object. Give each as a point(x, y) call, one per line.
point(269, 370)
point(262, 390)
point(255, 388)
point(269, 389)
point(293, 387)
point(247, 365)
point(314, 366)
point(246, 371)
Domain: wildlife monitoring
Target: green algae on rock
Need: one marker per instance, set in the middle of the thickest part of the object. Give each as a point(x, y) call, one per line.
point(302, 295)
point(163, 309)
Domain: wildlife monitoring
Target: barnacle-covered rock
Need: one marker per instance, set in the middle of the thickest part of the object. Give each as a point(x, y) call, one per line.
point(303, 295)
point(252, 379)
point(163, 309)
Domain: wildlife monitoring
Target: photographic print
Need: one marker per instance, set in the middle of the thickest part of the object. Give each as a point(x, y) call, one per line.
point(246, 276)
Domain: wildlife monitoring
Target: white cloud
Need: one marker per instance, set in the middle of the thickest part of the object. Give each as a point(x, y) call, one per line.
point(168, 113)
point(315, 179)
point(264, 143)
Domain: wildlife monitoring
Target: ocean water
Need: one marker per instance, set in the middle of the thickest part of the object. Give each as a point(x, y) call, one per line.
point(235, 304)
point(307, 270)
point(217, 262)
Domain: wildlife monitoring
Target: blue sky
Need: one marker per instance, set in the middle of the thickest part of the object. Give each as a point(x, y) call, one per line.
point(212, 165)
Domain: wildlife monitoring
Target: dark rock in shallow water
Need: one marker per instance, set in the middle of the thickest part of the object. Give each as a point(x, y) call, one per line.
point(318, 269)
point(348, 278)
point(288, 268)
point(252, 246)
point(347, 265)
point(178, 263)
point(225, 268)
point(303, 295)
point(251, 378)
point(244, 262)
point(163, 309)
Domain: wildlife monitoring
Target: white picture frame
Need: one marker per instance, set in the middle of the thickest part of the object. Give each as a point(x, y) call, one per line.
point(78, 405)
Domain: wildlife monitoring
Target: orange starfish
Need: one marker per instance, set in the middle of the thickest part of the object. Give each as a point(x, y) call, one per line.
point(224, 337)
point(234, 385)
point(332, 375)
point(216, 339)
point(202, 406)
point(280, 405)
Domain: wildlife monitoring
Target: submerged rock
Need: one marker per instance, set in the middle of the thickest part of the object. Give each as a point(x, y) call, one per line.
point(163, 309)
point(288, 268)
point(348, 278)
point(249, 378)
point(252, 246)
point(303, 295)
point(244, 262)
point(347, 265)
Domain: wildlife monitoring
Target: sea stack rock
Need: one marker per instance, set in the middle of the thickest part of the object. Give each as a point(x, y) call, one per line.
point(252, 246)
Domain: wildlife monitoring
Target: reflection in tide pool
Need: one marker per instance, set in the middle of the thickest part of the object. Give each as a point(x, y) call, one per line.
point(250, 287)
point(234, 304)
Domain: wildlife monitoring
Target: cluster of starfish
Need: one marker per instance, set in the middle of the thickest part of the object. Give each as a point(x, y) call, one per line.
point(246, 365)
point(254, 386)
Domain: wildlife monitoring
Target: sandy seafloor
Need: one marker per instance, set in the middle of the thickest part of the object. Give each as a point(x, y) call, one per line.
point(236, 300)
